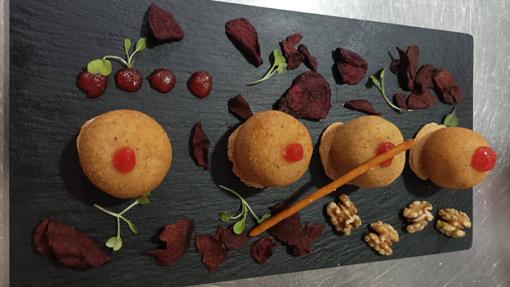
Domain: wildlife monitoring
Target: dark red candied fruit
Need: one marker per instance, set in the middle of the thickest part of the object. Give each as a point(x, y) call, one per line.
point(262, 249)
point(93, 85)
point(200, 146)
point(400, 99)
point(213, 251)
point(293, 152)
point(308, 97)
point(200, 84)
point(124, 159)
point(424, 100)
point(129, 80)
point(229, 239)
point(310, 61)
point(240, 108)
point(244, 36)
point(288, 47)
point(384, 148)
point(447, 88)
point(361, 105)
point(350, 65)
point(484, 159)
point(407, 65)
point(162, 80)
point(68, 245)
point(424, 78)
point(163, 25)
point(176, 237)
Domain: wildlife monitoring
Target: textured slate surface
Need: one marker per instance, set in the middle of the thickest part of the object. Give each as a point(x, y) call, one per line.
point(49, 43)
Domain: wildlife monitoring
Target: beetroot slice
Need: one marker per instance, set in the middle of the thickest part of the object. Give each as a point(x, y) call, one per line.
point(424, 78)
point(350, 65)
point(244, 36)
point(308, 97)
point(213, 252)
point(240, 108)
point(424, 100)
point(447, 88)
point(407, 65)
point(400, 100)
point(262, 249)
point(310, 61)
point(200, 146)
point(361, 105)
point(288, 46)
point(176, 237)
point(163, 25)
point(229, 239)
point(68, 245)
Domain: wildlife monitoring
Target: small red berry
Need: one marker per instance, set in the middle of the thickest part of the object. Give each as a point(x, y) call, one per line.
point(129, 80)
point(93, 85)
point(383, 148)
point(124, 160)
point(483, 159)
point(293, 152)
point(162, 80)
point(200, 84)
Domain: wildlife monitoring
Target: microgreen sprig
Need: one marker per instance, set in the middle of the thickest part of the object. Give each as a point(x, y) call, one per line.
point(377, 80)
point(115, 242)
point(103, 65)
point(240, 224)
point(451, 120)
point(279, 66)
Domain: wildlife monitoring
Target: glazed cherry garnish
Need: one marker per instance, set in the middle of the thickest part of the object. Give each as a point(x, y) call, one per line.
point(200, 84)
point(162, 80)
point(124, 159)
point(382, 148)
point(293, 152)
point(93, 85)
point(483, 159)
point(129, 80)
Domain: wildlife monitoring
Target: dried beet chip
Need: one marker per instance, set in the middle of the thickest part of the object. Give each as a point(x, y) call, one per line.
point(362, 106)
point(213, 252)
point(200, 146)
point(310, 61)
point(244, 36)
point(447, 88)
point(176, 237)
point(288, 47)
point(304, 246)
point(308, 97)
point(424, 100)
point(163, 25)
point(350, 65)
point(394, 66)
point(68, 245)
point(313, 230)
point(424, 78)
point(229, 239)
point(262, 249)
point(240, 108)
point(407, 65)
point(401, 100)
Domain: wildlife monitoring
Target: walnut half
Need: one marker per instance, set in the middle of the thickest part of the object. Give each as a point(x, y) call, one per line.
point(418, 215)
point(382, 237)
point(453, 222)
point(343, 215)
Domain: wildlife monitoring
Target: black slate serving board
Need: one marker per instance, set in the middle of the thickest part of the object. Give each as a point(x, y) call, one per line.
point(52, 40)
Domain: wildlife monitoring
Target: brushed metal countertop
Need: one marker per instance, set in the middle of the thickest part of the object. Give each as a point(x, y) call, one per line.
point(487, 263)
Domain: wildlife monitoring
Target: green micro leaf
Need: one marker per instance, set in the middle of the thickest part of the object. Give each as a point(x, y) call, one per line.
point(140, 44)
point(451, 119)
point(143, 200)
point(117, 244)
point(279, 66)
point(127, 46)
point(131, 226)
point(111, 242)
point(100, 66)
point(239, 226)
point(225, 216)
point(264, 217)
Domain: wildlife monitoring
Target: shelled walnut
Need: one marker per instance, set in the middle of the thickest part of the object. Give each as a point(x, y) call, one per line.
point(343, 215)
point(453, 222)
point(418, 215)
point(382, 237)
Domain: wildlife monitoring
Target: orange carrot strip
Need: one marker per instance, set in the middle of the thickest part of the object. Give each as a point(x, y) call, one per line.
point(329, 188)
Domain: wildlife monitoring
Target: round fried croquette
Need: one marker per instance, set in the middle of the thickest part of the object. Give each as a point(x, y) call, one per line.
point(414, 153)
point(345, 146)
point(446, 157)
point(271, 149)
point(125, 153)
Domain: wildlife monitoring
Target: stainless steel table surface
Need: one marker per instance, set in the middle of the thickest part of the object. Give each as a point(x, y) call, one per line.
point(487, 263)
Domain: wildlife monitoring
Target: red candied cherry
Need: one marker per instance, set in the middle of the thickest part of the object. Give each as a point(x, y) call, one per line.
point(483, 159)
point(200, 84)
point(93, 85)
point(162, 80)
point(383, 148)
point(293, 152)
point(124, 159)
point(129, 80)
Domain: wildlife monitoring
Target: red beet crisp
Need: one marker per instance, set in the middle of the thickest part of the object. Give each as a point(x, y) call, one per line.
point(407, 65)
point(163, 25)
point(213, 251)
point(176, 237)
point(309, 97)
point(310, 61)
point(424, 100)
point(229, 239)
point(240, 108)
point(244, 36)
point(288, 46)
point(447, 88)
point(200, 146)
point(350, 65)
point(68, 245)
point(362, 106)
point(400, 100)
point(424, 78)
point(262, 249)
